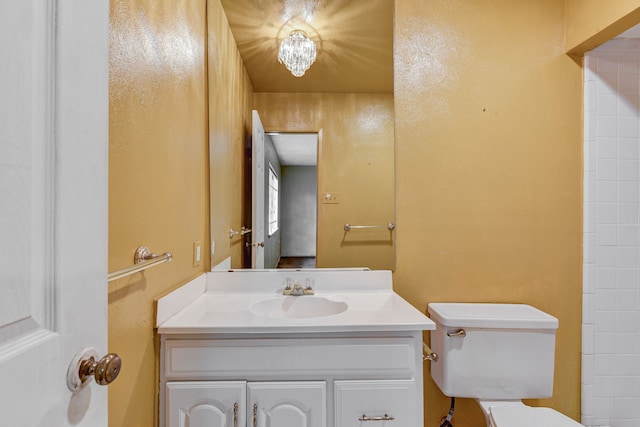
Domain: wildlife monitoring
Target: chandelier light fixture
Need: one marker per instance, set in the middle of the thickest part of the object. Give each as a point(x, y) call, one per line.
point(297, 52)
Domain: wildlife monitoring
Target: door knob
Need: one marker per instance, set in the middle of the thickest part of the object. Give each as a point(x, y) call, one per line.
point(85, 365)
point(104, 370)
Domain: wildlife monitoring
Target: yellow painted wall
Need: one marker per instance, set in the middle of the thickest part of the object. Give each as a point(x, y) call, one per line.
point(158, 192)
point(488, 167)
point(230, 104)
point(589, 23)
point(355, 162)
point(489, 170)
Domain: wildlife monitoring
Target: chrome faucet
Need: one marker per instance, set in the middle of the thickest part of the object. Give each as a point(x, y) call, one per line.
point(297, 289)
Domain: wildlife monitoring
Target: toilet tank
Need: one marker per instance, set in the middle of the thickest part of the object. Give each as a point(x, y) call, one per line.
point(493, 351)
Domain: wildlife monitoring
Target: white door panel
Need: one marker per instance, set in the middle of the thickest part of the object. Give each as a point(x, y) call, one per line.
point(287, 404)
point(258, 192)
point(206, 403)
point(53, 207)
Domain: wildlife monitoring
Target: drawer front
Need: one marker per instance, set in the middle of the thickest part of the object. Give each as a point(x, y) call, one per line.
point(258, 359)
point(384, 403)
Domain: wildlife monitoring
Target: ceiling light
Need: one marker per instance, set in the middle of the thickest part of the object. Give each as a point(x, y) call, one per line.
point(297, 52)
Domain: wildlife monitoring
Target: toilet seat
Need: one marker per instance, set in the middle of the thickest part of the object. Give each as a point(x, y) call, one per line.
point(528, 416)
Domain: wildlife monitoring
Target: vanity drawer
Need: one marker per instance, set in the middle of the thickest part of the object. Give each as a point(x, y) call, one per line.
point(300, 358)
point(389, 403)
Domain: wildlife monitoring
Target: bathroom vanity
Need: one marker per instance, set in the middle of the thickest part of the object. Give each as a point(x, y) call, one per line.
point(237, 352)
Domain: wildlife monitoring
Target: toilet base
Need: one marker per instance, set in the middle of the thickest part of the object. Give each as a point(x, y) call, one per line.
point(514, 413)
point(486, 406)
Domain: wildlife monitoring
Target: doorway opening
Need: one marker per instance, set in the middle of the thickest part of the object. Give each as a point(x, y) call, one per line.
point(297, 198)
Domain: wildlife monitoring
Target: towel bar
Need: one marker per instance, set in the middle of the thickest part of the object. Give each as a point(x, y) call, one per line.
point(348, 227)
point(142, 259)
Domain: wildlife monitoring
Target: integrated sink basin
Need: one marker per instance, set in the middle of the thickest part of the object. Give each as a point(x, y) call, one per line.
point(297, 307)
point(250, 302)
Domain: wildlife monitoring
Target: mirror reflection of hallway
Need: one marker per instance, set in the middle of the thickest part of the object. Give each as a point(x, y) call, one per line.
point(297, 194)
point(297, 262)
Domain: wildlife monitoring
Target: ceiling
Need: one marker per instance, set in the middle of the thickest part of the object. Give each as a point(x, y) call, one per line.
point(354, 41)
point(296, 149)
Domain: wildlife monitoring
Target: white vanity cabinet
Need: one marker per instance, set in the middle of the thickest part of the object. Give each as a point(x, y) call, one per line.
point(290, 380)
point(237, 352)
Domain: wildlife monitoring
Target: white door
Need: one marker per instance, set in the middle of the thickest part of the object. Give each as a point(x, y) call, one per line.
point(53, 207)
point(257, 192)
point(287, 404)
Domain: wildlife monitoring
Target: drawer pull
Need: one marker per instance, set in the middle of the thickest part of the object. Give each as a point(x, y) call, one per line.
point(383, 418)
point(255, 415)
point(235, 414)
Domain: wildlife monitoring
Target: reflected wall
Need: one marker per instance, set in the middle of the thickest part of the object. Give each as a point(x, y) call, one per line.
point(355, 163)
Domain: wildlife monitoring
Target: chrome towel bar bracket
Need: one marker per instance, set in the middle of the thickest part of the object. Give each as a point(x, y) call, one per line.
point(142, 259)
point(242, 232)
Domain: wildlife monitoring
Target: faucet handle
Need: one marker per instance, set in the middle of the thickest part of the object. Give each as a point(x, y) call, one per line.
point(308, 290)
point(287, 287)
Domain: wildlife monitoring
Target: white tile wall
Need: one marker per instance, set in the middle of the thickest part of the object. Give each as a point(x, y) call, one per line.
point(611, 270)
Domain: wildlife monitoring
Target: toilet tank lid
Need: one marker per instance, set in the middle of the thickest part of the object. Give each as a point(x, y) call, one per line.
point(485, 315)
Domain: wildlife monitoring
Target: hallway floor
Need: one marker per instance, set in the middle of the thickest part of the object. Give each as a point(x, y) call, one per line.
point(297, 262)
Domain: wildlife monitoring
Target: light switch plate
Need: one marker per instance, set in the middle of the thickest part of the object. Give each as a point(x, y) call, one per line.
point(197, 253)
point(330, 198)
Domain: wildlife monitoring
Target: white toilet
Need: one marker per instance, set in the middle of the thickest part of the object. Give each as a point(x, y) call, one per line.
point(497, 354)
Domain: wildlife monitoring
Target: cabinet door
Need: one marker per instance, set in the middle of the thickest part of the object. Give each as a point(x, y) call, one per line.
point(206, 404)
point(287, 404)
point(383, 403)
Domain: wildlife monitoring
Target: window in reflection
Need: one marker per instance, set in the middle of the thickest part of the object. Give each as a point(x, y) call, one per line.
point(273, 201)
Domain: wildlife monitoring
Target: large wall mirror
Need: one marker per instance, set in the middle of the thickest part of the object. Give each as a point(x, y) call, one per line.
point(340, 111)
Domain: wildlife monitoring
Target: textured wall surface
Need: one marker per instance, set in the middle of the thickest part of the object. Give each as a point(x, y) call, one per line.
point(488, 163)
point(489, 170)
point(230, 104)
point(355, 160)
point(590, 23)
point(157, 179)
point(299, 214)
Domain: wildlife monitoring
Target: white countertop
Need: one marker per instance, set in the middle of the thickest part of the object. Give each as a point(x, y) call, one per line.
point(221, 303)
